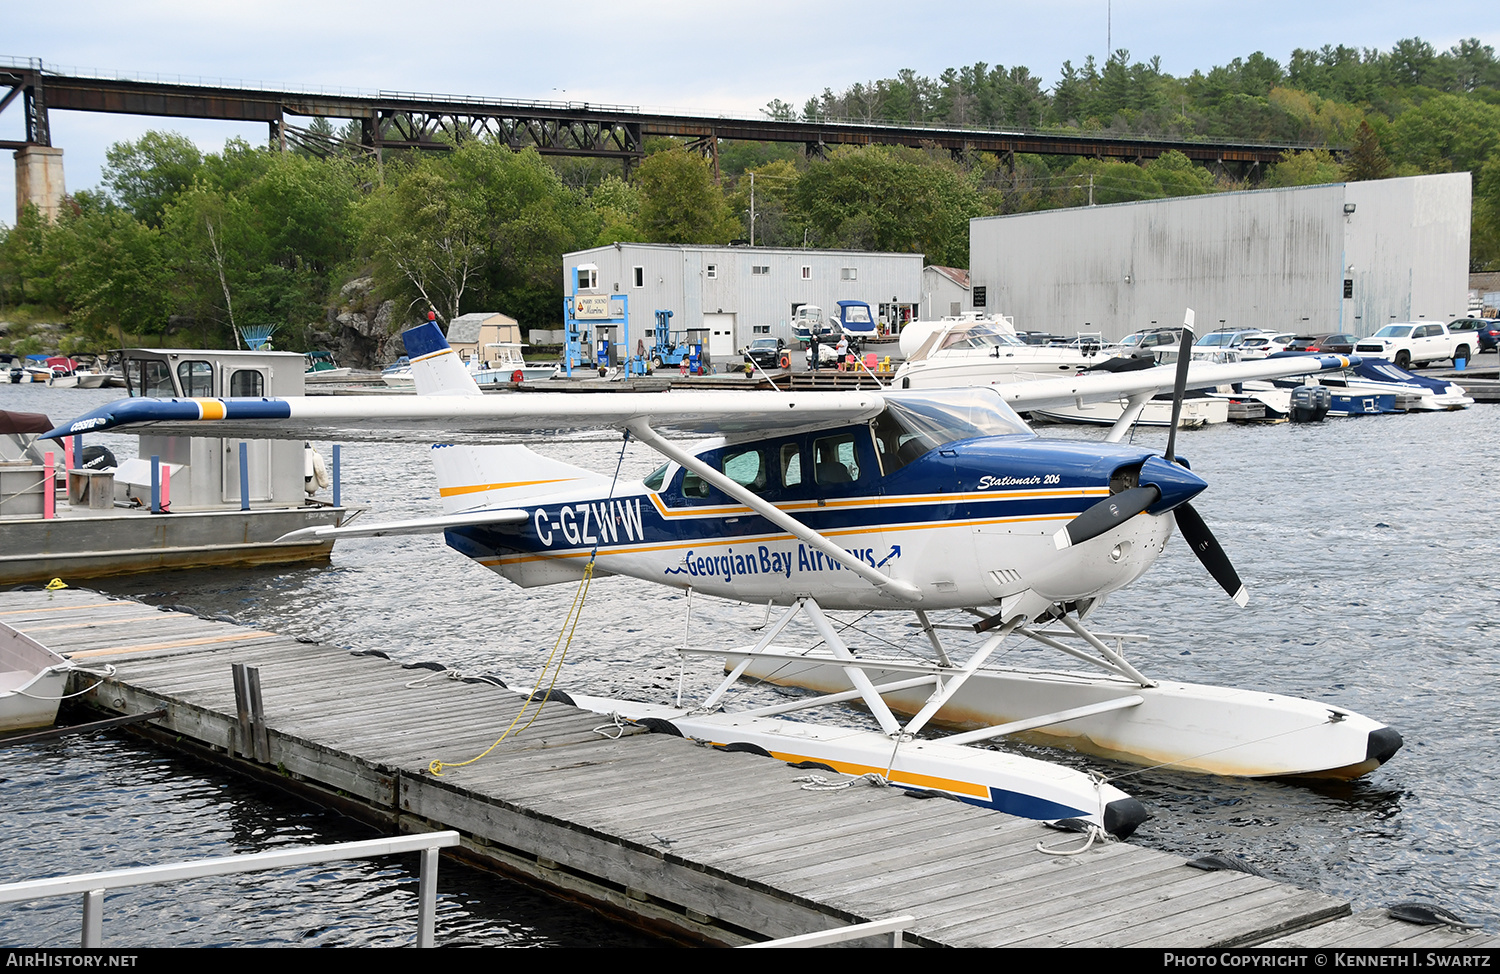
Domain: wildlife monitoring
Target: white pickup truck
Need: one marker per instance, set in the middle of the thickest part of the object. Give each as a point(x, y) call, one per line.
point(1416, 343)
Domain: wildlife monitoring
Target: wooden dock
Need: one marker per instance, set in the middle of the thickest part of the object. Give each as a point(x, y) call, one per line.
point(703, 845)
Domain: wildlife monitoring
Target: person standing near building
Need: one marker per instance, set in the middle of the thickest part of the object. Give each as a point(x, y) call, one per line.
point(812, 351)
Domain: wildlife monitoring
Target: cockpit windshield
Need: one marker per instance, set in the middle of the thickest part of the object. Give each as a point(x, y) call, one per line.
point(914, 424)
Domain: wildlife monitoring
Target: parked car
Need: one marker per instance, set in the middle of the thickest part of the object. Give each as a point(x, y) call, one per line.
point(1335, 343)
point(1485, 331)
point(1265, 344)
point(765, 352)
point(1147, 342)
point(1410, 343)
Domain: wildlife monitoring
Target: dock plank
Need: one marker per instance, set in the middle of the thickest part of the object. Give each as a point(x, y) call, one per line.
point(722, 846)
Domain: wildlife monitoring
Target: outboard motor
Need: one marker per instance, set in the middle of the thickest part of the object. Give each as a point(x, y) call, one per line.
point(97, 458)
point(1310, 404)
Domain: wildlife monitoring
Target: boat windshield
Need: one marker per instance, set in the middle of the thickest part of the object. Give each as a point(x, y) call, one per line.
point(858, 314)
point(976, 334)
point(914, 424)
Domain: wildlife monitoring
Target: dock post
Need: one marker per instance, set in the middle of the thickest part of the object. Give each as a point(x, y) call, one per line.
point(338, 492)
point(68, 453)
point(244, 476)
point(253, 741)
point(49, 486)
point(156, 485)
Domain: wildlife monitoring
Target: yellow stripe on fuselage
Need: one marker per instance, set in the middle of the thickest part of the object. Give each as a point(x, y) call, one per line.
point(752, 539)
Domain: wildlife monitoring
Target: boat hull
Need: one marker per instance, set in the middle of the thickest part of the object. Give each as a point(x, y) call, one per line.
point(1158, 412)
point(97, 546)
point(1215, 730)
point(32, 680)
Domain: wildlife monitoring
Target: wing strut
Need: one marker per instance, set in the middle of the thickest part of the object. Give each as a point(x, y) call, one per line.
point(902, 590)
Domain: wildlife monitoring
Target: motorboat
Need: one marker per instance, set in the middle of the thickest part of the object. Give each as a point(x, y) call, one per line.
point(811, 320)
point(70, 510)
point(32, 681)
point(855, 320)
point(971, 350)
point(505, 362)
point(322, 365)
point(1366, 387)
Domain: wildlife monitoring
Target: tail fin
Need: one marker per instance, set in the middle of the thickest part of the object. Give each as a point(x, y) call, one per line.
point(435, 368)
point(485, 477)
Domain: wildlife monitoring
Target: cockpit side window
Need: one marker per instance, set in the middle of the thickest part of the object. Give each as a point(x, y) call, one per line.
point(791, 464)
point(745, 467)
point(657, 478)
point(835, 460)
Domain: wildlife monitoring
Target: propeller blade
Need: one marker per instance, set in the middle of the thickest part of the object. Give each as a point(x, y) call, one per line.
point(1179, 388)
point(1202, 541)
point(1106, 515)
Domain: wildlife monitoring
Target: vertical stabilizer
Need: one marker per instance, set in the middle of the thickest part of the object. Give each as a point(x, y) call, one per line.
point(435, 368)
point(480, 477)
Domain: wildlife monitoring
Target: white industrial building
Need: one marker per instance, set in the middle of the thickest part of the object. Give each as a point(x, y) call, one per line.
point(1343, 257)
point(743, 293)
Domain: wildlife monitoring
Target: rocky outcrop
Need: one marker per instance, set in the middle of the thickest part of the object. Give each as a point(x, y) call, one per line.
point(360, 330)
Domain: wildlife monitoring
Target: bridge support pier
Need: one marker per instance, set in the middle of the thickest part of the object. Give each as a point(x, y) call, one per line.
point(39, 179)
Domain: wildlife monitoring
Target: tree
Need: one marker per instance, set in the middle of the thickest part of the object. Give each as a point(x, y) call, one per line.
point(1366, 160)
point(1304, 169)
point(680, 203)
point(885, 199)
point(146, 174)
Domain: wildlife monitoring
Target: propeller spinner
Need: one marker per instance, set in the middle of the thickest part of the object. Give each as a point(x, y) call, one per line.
point(1155, 490)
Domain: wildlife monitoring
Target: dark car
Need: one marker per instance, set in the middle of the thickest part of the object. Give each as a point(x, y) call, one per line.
point(1333, 344)
point(765, 352)
point(1486, 331)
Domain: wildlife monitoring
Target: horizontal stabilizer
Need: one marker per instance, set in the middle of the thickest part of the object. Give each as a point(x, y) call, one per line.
point(421, 525)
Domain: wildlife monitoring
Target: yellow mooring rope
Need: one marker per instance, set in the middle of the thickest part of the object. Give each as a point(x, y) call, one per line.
point(569, 627)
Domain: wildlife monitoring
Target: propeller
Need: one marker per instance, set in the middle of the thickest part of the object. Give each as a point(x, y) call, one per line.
point(1118, 508)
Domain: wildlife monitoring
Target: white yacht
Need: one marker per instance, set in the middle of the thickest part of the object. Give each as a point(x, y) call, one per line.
point(971, 350)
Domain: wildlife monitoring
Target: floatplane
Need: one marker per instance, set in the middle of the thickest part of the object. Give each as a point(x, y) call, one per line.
point(915, 501)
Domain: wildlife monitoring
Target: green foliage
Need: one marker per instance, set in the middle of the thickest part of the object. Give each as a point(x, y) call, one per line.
point(889, 199)
point(147, 174)
point(1311, 168)
point(1366, 160)
point(680, 203)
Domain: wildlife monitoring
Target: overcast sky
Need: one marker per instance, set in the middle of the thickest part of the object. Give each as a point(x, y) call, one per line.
point(704, 57)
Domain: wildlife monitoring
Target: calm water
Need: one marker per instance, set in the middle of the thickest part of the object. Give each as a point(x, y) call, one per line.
point(1365, 544)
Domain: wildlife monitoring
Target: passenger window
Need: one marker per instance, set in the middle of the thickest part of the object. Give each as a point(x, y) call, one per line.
point(834, 460)
point(693, 485)
point(196, 378)
point(791, 465)
point(247, 382)
point(745, 468)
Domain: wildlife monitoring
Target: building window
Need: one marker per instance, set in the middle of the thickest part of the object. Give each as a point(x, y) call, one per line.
point(760, 270)
point(849, 274)
point(761, 329)
point(807, 272)
point(639, 276)
point(712, 270)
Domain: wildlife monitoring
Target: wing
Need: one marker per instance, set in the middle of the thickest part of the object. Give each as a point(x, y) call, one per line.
point(525, 415)
point(1101, 387)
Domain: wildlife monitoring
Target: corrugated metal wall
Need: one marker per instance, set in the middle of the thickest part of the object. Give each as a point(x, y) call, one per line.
point(1261, 259)
point(677, 278)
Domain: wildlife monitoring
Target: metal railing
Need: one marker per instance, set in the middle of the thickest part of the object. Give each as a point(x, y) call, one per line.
point(93, 885)
point(894, 926)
